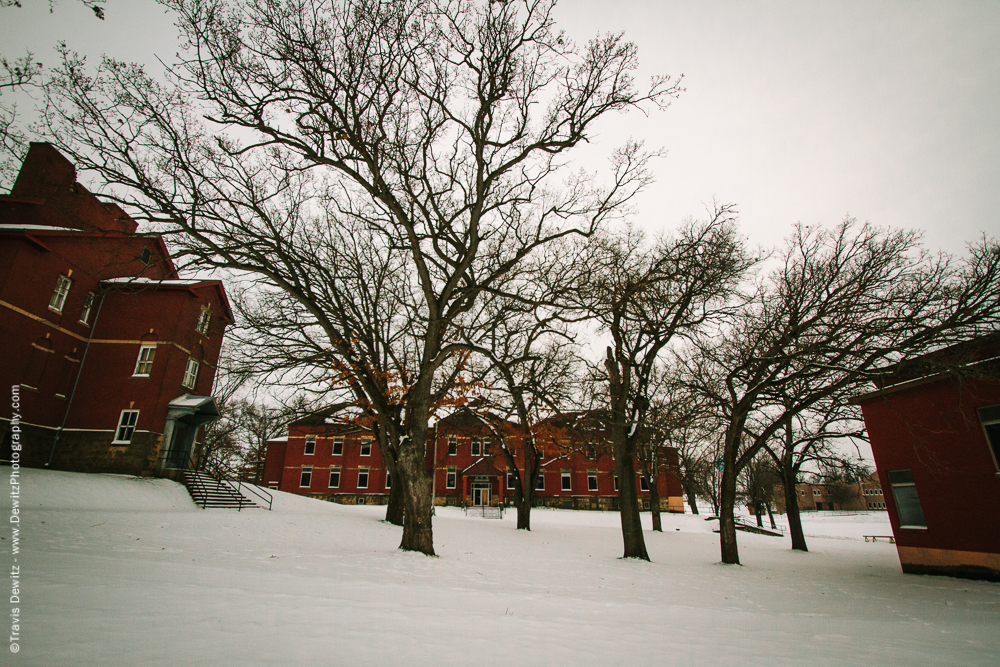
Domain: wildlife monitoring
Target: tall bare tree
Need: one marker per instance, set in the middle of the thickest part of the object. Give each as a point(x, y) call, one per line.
point(840, 303)
point(643, 297)
point(443, 127)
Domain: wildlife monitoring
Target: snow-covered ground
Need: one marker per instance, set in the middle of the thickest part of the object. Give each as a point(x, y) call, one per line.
point(123, 571)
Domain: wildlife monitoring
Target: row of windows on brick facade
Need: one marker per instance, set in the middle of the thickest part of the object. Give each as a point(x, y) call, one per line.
point(305, 478)
point(338, 446)
point(482, 447)
point(144, 366)
point(63, 284)
point(451, 479)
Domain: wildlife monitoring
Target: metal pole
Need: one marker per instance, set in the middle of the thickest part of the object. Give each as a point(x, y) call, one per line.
point(79, 372)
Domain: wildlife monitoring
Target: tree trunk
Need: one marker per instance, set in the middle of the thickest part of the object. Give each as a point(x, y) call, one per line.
point(628, 508)
point(794, 518)
point(654, 503)
point(727, 501)
point(394, 508)
point(692, 497)
point(758, 511)
point(770, 515)
point(417, 531)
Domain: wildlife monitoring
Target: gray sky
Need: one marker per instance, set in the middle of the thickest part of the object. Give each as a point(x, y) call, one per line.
point(794, 111)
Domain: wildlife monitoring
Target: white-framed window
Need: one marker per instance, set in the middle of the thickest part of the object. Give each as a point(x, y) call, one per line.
point(366, 446)
point(451, 478)
point(487, 445)
point(591, 451)
point(338, 446)
point(567, 481)
point(305, 478)
point(476, 447)
point(540, 481)
point(310, 447)
point(989, 416)
point(144, 364)
point(643, 483)
point(616, 482)
point(335, 477)
point(126, 426)
point(388, 480)
point(273, 486)
point(904, 490)
point(452, 446)
point(88, 305)
point(592, 480)
point(803, 492)
point(362, 478)
point(59, 294)
point(817, 492)
point(204, 319)
point(190, 374)
point(510, 480)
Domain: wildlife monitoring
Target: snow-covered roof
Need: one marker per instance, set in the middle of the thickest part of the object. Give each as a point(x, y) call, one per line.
point(38, 228)
point(152, 281)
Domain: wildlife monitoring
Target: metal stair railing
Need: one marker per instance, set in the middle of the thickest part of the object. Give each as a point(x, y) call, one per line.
point(183, 461)
point(263, 495)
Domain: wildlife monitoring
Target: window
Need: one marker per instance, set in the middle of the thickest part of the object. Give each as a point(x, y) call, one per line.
point(338, 446)
point(591, 451)
point(510, 480)
point(366, 446)
point(310, 447)
point(305, 479)
point(643, 483)
point(904, 490)
point(486, 446)
point(592, 480)
point(452, 446)
point(335, 477)
point(204, 319)
point(362, 478)
point(59, 294)
point(146, 255)
point(190, 374)
point(450, 479)
point(816, 492)
point(803, 492)
point(540, 482)
point(126, 426)
point(567, 481)
point(388, 480)
point(616, 481)
point(990, 417)
point(476, 447)
point(144, 364)
point(88, 304)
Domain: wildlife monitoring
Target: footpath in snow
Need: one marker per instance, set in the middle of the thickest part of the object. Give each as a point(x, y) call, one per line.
point(117, 570)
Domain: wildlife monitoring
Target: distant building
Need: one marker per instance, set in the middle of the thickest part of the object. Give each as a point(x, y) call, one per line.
point(934, 425)
point(860, 496)
point(325, 458)
point(112, 354)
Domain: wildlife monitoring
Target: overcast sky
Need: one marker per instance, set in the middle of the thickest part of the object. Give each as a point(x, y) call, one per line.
point(794, 111)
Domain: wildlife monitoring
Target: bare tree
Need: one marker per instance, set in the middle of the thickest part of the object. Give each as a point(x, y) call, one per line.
point(840, 303)
point(418, 119)
point(644, 298)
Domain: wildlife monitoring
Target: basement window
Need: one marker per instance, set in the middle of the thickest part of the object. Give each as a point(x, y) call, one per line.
point(904, 490)
point(126, 426)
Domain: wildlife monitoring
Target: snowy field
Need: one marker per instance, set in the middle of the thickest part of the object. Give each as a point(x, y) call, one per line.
point(123, 571)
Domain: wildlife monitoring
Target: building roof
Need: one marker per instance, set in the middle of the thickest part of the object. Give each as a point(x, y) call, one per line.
point(482, 468)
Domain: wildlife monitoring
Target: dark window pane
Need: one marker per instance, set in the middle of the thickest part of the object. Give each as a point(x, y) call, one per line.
point(908, 506)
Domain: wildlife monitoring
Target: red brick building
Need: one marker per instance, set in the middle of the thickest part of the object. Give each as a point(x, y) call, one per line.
point(324, 458)
point(113, 356)
point(934, 425)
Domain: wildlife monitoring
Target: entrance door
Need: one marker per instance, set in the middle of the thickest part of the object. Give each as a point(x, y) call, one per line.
point(480, 496)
